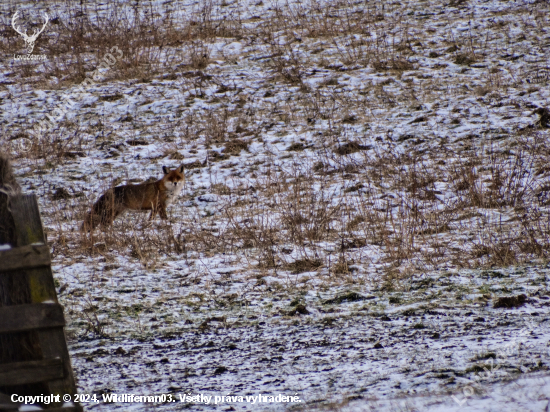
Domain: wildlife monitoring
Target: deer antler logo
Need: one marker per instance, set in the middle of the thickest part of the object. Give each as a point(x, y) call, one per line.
point(28, 39)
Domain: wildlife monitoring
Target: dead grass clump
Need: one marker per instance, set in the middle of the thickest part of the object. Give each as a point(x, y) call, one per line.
point(435, 230)
point(110, 98)
point(137, 142)
point(355, 222)
point(457, 3)
point(61, 194)
point(307, 213)
point(482, 91)
point(349, 148)
point(175, 155)
point(319, 167)
point(304, 265)
point(235, 147)
point(216, 125)
point(510, 301)
point(144, 41)
point(221, 189)
point(194, 165)
point(390, 280)
point(331, 81)
point(296, 147)
point(299, 309)
point(215, 156)
point(289, 68)
point(198, 53)
point(398, 65)
point(350, 119)
point(452, 49)
point(500, 254)
point(340, 268)
point(464, 59)
point(346, 297)
point(544, 120)
point(64, 140)
point(354, 188)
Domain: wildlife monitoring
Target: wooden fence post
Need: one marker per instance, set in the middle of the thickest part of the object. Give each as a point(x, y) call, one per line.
point(28, 229)
point(34, 357)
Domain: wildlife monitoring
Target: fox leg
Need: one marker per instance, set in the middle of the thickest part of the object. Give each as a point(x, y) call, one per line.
point(88, 225)
point(110, 212)
point(94, 218)
point(154, 208)
point(162, 212)
point(105, 210)
point(108, 218)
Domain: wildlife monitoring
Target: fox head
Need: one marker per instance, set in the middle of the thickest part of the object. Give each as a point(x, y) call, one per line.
point(173, 180)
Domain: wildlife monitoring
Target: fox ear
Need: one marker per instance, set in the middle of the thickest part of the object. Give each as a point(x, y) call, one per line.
point(165, 170)
point(181, 169)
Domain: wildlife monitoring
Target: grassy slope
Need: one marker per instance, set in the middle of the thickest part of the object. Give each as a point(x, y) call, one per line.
point(383, 148)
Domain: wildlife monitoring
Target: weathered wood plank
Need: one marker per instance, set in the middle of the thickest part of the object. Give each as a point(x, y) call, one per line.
point(28, 225)
point(21, 373)
point(24, 257)
point(20, 318)
point(26, 216)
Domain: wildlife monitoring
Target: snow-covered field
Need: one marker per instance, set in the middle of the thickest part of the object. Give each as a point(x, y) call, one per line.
point(364, 181)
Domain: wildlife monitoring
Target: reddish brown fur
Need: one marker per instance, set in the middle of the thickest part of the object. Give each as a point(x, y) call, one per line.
point(153, 196)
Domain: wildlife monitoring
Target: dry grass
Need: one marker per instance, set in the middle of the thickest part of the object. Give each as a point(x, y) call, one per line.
point(298, 220)
point(147, 39)
point(350, 202)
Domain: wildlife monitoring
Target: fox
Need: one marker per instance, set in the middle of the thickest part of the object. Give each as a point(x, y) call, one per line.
point(153, 196)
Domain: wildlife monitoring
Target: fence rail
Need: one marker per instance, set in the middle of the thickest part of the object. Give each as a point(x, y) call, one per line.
point(28, 266)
